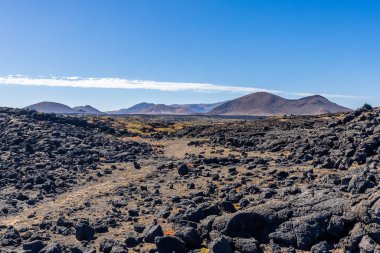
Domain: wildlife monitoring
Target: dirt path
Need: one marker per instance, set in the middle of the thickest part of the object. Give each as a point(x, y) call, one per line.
point(89, 192)
point(96, 194)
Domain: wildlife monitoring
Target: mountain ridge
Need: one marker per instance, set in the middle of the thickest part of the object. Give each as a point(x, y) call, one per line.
point(267, 104)
point(255, 104)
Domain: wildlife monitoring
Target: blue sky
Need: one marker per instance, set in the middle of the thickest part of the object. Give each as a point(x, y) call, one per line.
point(327, 47)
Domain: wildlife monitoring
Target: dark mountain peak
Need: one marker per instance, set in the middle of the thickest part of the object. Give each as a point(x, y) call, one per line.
point(262, 97)
point(144, 104)
point(262, 93)
point(49, 103)
point(315, 97)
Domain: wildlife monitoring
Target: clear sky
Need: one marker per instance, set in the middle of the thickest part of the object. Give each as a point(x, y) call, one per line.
point(290, 47)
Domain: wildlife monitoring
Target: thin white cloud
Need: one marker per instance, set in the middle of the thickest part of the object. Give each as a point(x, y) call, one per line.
point(119, 83)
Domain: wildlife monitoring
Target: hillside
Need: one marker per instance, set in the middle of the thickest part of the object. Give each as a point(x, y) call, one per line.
point(264, 104)
point(52, 107)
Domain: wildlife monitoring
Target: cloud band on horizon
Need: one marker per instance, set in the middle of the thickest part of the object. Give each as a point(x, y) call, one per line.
point(120, 83)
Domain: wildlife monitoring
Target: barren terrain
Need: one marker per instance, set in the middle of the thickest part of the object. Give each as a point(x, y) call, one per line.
point(189, 184)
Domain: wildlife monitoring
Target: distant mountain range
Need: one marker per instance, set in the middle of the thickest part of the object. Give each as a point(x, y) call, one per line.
point(149, 108)
point(256, 104)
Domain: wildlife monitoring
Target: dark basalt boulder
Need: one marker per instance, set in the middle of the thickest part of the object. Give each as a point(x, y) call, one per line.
point(33, 247)
point(190, 236)
point(240, 224)
point(359, 184)
point(106, 245)
point(321, 247)
point(310, 229)
point(84, 232)
point(170, 244)
point(131, 241)
point(246, 245)
point(150, 233)
point(220, 245)
point(183, 170)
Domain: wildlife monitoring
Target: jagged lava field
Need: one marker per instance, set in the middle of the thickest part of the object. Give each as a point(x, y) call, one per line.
point(71, 184)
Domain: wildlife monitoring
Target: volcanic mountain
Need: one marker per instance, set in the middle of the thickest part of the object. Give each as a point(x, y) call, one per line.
point(53, 107)
point(265, 104)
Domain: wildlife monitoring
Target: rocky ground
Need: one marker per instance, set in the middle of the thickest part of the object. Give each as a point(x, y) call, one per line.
point(167, 184)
